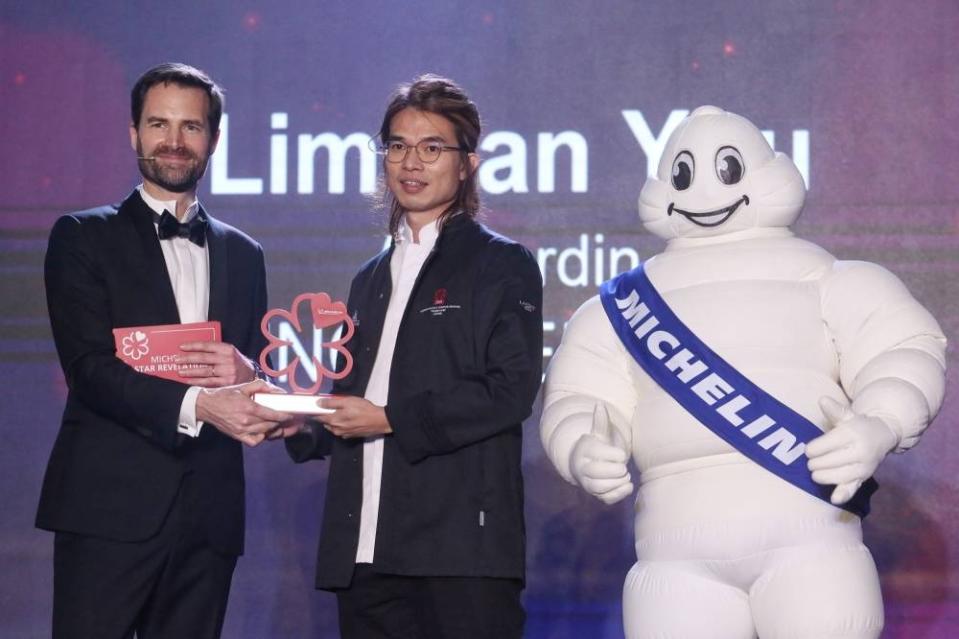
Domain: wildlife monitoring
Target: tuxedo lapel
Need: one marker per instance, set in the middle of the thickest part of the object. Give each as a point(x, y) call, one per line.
point(219, 270)
point(146, 247)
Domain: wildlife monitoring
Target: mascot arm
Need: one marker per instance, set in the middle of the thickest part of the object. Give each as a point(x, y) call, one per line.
point(891, 350)
point(589, 367)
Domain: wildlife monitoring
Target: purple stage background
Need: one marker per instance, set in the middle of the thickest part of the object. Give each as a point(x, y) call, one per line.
point(865, 96)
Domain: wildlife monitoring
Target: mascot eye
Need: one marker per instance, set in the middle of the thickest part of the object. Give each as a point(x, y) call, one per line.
point(729, 165)
point(683, 169)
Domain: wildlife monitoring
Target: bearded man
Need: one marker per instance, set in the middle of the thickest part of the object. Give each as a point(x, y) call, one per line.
point(144, 488)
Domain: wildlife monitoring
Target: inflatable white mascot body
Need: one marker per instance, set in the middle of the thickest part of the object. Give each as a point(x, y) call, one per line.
point(726, 549)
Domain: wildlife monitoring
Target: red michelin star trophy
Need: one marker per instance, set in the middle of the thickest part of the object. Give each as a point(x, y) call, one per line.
point(323, 314)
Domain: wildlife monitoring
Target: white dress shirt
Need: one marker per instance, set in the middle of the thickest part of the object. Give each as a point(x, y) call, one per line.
point(405, 265)
point(189, 268)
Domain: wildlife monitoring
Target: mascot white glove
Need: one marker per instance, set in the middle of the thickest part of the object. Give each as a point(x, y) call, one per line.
point(850, 452)
point(598, 460)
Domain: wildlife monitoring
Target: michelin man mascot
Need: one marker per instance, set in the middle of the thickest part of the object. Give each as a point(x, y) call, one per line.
point(717, 366)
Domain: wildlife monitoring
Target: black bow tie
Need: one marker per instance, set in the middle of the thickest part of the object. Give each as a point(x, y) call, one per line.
point(194, 230)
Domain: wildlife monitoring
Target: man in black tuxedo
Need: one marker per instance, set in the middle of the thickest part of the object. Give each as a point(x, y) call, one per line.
point(144, 487)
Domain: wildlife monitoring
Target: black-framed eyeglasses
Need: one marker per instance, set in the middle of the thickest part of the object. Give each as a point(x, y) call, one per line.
point(428, 151)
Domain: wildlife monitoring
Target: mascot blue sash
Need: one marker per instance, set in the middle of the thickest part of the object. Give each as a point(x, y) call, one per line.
point(724, 400)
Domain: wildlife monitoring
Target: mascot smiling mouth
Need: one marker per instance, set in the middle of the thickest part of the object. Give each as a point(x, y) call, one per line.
point(710, 218)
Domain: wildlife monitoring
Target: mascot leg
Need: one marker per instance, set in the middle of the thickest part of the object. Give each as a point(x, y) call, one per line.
point(818, 592)
point(683, 600)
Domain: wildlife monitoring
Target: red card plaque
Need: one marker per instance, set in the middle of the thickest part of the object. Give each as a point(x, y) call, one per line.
point(323, 313)
point(155, 350)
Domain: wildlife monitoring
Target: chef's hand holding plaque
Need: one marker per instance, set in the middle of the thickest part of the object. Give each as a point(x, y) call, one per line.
point(323, 314)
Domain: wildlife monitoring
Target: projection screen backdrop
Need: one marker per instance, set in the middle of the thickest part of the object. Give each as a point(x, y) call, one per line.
point(577, 98)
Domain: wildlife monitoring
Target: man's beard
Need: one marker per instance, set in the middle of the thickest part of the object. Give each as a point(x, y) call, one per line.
point(176, 179)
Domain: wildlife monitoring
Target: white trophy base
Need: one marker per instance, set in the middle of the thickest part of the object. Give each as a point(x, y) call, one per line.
point(297, 404)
